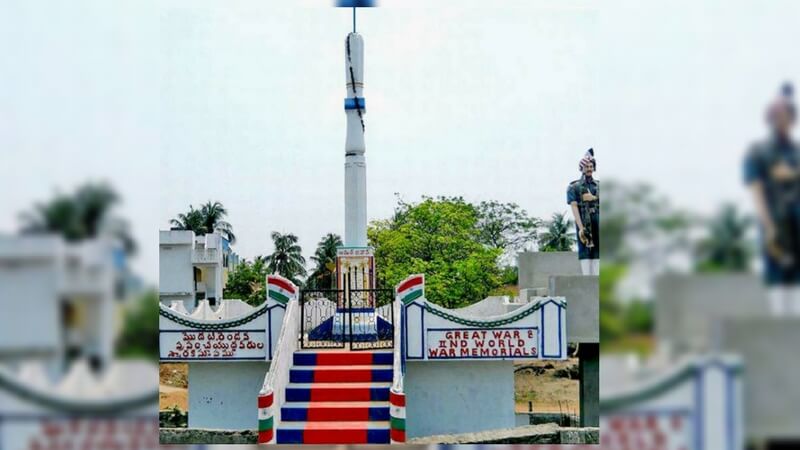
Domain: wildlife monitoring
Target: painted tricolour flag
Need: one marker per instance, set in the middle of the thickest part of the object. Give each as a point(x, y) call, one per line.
point(411, 288)
point(280, 289)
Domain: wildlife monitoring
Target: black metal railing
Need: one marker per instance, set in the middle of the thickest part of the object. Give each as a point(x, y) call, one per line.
point(318, 312)
point(336, 318)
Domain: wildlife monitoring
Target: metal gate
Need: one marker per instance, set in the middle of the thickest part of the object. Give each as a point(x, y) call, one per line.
point(319, 309)
point(362, 319)
point(371, 318)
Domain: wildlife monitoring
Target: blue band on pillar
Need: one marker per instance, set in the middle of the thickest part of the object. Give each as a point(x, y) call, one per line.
point(355, 3)
point(354, 103)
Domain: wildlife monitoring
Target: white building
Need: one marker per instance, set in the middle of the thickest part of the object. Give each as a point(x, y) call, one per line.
point(59, 381)
point(193, 268)
point(59, 299)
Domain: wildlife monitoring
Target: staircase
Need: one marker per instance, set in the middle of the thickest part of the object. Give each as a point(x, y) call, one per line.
point(337, 397)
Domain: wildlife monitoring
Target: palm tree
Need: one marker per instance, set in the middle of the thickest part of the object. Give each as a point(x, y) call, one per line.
point(726, 248)
point(559, 236)
point(325, 260)
point(59, 215)
point(84, 214)
point(191, 220)
point(207, 219)
point(287, 259)
point(213, 215)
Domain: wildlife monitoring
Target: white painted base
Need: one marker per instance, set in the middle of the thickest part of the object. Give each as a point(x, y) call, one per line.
point(222, 394)
point(445, 397)
point(364, 323)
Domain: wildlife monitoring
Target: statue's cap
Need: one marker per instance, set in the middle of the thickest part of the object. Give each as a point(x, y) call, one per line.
point(588, 158)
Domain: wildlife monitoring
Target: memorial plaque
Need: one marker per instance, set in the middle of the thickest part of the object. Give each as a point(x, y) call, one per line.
point(478, 343)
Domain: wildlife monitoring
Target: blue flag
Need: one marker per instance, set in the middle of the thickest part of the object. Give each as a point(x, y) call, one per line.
point(355, 3)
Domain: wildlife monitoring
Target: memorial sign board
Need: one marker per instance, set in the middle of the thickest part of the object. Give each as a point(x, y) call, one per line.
point(535, 330)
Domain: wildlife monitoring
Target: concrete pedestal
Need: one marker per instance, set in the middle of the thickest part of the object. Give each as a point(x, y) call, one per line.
point(223, 395)
point(583, 305)
point(444, 397)
point(589, 372)
point(768, 348)
point(536, 268)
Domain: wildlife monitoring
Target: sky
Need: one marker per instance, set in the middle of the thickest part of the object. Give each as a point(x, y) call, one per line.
point(180, 102)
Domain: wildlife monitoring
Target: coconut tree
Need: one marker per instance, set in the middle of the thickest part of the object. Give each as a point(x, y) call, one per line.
point(83, 214)
point(287, 258)
point(191, 220)
point(325, 260)
point(214, 214)
point(59, 215)
point(558, 236)
point(208, 219)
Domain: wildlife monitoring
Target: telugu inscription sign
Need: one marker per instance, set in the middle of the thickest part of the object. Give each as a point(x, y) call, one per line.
point(23, 433)
point(213, 345)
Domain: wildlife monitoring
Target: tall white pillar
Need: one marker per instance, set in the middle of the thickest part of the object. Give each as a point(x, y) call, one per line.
point(355, 166)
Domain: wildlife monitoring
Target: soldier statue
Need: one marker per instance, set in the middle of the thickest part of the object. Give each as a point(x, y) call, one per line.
point(772, 173)
point(583, 196)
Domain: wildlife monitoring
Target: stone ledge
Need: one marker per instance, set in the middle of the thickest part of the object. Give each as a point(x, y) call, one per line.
point(206, 436)
point(531, 434)
point(579, 436)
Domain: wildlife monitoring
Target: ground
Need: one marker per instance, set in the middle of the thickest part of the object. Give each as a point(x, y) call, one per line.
point(173, 386)
point(550, 391)
point(548, 385)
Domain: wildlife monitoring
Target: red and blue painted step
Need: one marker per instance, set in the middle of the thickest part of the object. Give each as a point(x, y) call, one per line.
point(343, 358)
point(338, 374)
point(333, 433)
point(338, 392)
point(333, 411)
point(337, 397)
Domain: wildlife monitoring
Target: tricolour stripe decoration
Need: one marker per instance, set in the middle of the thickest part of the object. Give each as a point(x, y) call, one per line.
point(411, 288)
point(397, 417)
point(266, 432)
point(280, 289)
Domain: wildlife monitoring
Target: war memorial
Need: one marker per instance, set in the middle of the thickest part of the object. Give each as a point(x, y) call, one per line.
point(358, 363)
point(365, 364)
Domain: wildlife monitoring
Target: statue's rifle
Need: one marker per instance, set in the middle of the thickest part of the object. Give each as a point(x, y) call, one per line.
point(780, 247)
point(587, 210)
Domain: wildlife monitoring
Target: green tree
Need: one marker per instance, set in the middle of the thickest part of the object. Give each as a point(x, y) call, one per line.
point(246, 282)
point(208, 219)
point(139, 337)
point(509, 275)
point(637, 223)
point(638, 317)
point(83, 214)
point(506, 226)
point(440, 238)
point(611, 312)
point(325, 263)
point(287, 260)
point(726, 248)
point(635, 215)
point(559, 235)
